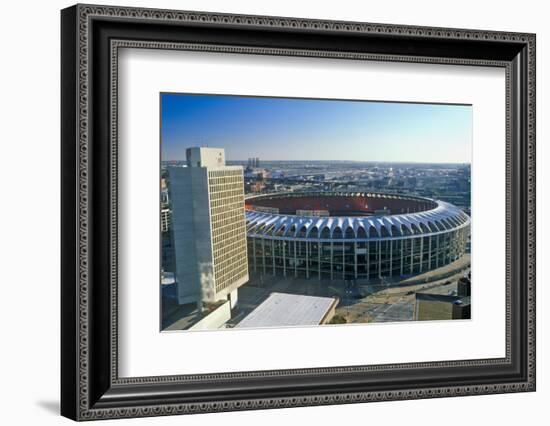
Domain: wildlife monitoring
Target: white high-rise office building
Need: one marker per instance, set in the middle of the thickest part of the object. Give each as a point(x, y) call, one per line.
point(208, 227)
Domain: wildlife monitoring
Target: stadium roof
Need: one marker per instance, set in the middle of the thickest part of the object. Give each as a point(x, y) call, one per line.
point(284, 309)
point(444, 217)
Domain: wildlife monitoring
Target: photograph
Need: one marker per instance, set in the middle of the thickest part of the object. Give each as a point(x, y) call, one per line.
point(299, 212)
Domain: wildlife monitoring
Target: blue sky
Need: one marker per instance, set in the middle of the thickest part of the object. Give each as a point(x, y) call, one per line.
point(314, 129)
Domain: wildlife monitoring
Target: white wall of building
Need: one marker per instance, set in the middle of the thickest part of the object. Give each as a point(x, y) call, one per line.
point(191, 233)
point(215, 319)
point(205, 157)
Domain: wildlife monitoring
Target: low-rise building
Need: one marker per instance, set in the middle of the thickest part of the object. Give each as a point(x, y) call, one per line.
point(285, 310)
point(429, 306)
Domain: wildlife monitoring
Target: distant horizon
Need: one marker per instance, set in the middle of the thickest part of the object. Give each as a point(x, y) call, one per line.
point(335, 161)
point(330, 130)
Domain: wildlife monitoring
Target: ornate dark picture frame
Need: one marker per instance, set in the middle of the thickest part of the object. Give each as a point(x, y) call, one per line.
point(90, 386)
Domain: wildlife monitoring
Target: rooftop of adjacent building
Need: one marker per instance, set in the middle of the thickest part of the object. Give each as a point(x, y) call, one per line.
point(456, 292)
point(285, 309)
point(205, 157)
point(447, 298)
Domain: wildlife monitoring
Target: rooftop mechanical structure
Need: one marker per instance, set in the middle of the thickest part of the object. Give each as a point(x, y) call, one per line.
point(359, 235)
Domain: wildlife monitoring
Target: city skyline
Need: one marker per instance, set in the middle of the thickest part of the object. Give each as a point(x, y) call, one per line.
point(245, 160)
point(295, 129)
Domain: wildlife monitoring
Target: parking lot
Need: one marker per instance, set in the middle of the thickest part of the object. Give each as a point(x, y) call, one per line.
point(380, 301)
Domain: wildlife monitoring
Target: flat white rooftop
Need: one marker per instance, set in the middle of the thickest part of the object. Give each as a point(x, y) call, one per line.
point(283, 309)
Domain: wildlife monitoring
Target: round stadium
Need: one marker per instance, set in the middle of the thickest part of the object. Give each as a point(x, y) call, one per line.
point(352, 235)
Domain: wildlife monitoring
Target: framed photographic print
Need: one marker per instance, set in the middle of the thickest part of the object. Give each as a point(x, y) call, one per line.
point(263, 212)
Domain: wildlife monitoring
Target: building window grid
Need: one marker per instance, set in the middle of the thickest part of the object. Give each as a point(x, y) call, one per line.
point(166, 220)
point(228, 232)
point(339, 257)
